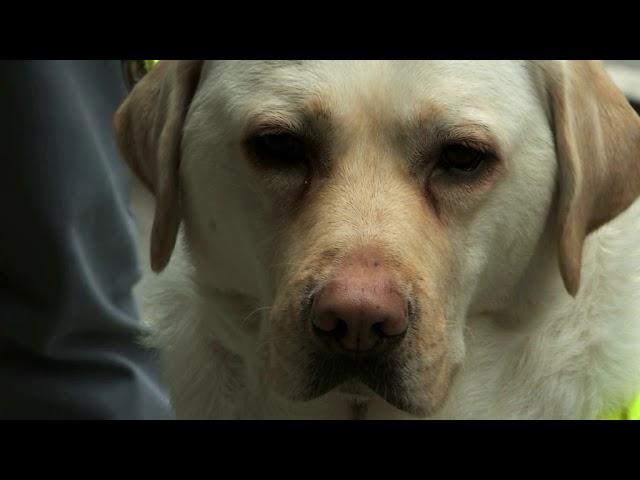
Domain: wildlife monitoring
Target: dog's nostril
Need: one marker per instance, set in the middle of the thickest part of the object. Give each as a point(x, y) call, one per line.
point(327, 322)
point(340, 330)
point(377, 329)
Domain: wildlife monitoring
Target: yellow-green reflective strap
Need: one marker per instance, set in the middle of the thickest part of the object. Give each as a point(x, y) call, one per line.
point(632, 412)
point(149, 64)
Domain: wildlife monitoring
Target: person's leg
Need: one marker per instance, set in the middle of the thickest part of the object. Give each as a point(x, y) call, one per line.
point(68, 325)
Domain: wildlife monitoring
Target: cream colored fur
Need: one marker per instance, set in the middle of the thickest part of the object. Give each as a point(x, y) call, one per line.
point(568, 359)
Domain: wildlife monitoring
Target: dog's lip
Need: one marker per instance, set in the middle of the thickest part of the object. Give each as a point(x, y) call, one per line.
point(360, 378)
point(356, 392)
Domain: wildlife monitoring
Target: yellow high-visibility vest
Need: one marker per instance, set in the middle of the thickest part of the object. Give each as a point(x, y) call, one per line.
point(149, 64)
point(632, 412)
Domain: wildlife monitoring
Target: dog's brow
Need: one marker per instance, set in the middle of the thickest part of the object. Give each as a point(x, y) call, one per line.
point(433, 121)
point(274, 121)
point(317, 110)
point(312, 122)
point(475, 134)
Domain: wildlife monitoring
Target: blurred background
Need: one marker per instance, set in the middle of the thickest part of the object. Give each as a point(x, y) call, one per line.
point(626, 73)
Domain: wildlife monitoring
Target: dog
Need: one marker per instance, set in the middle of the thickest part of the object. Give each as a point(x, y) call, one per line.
point(390, 239)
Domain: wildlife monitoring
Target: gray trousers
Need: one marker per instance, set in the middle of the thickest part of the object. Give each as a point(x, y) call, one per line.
point(69, 328)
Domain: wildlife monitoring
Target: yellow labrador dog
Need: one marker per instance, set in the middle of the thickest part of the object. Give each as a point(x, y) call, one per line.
point(390, 239)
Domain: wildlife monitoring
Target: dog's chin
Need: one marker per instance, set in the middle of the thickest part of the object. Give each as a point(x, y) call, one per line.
point(366, 377)
point(355, 389)
point(357, 380)
point(356, 392)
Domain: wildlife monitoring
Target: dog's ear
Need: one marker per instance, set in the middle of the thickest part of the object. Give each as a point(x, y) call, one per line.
point(148, 129)
point(597, 138)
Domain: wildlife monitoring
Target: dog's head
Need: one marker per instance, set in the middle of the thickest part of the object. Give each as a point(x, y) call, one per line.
point(373, 206)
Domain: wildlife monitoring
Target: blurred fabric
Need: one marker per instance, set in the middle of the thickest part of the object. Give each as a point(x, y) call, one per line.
point(69, 328)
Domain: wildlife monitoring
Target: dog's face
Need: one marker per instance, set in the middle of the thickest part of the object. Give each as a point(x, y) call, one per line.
point(374, 206)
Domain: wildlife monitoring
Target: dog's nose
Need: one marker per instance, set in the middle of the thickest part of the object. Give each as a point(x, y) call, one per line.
point(359, 307)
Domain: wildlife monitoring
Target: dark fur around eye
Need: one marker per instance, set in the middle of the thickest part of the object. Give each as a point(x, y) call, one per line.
point(278, 150)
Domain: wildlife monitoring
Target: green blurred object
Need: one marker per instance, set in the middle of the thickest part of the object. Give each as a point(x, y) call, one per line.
point(149, 64)
point(632, 412)
point(134, 70)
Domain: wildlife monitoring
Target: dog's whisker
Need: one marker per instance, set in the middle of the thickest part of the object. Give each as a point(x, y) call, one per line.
point(253, 312)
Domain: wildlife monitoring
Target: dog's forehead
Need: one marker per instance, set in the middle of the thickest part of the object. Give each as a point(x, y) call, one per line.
point(343, 85)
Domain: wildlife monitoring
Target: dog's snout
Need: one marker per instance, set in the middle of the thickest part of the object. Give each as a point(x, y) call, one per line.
point(359, 307)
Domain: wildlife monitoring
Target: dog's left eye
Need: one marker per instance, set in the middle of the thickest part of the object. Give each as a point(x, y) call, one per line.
point(461, 158)
point(279, 150)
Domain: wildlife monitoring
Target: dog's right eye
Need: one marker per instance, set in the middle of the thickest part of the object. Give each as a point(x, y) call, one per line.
point(278, 150)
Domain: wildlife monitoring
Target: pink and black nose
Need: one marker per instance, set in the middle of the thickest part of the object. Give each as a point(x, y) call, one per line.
point(360, 306)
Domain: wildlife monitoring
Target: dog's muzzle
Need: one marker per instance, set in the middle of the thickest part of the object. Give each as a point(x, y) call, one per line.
point(358, 322)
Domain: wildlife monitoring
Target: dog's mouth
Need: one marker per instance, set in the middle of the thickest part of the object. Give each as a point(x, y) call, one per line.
point(397, 370)
point(359, 378)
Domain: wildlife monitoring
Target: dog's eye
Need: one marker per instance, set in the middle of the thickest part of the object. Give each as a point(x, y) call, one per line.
point(279, 150)
point(461, 158)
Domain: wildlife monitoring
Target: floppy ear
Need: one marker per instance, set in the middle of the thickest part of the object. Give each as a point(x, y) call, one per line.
point(148, 129)
point(597, 136)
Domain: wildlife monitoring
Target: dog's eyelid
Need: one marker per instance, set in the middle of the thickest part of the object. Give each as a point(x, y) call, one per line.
point(477, 137)
point(271, 129)
point(486, 149)
point(480, 140)
point(273, 124)
point(435, 135)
